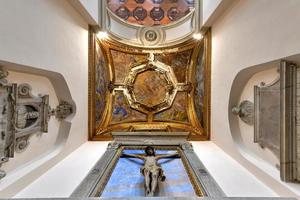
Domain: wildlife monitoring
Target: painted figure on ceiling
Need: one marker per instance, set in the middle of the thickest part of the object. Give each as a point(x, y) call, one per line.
point(120, 111)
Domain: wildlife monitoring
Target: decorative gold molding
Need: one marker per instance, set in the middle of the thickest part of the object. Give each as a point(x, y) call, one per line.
point(102, 130)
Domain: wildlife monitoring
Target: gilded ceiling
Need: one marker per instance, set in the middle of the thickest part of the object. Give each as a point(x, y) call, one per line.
point(136, 89)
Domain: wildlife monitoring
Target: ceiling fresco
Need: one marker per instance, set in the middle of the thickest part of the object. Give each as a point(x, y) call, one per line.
point(150, 12)
point(134, 89)
point(178, 112)
point(123, 62)
point(122, 112)
point(199, 87)
point(150, 88)
point(101, 75)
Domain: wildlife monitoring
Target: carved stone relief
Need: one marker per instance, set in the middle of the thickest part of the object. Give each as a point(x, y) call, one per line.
point(267, 116)
point(21, 115)
point(245, 111)
point(276, 124)
point(7, 119)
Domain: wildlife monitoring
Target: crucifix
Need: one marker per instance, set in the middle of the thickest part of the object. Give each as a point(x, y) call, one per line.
point(151, 170)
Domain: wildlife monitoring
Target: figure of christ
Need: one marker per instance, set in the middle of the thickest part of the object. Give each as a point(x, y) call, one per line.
point(151, 170)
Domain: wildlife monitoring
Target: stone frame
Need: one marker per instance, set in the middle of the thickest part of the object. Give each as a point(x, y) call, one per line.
point(264, 124)
point(289, 121)
point(286, 90)
point(95, 181)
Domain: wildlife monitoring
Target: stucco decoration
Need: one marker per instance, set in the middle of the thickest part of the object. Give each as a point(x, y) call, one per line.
point(23, 114)
point(151, 89)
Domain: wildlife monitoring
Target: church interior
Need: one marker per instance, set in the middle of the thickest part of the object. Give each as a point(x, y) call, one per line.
point(150, 99)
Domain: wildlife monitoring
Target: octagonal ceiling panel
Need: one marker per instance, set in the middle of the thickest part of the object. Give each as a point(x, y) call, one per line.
point(150, 88)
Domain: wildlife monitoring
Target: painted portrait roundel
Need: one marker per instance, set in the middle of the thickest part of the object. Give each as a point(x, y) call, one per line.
point(150, 12)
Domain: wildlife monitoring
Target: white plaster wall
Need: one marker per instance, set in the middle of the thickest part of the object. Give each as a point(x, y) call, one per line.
point(208, 7)
point(49, 35)
point(73, 169)
point(81, 161)
point(92, 6)
point(250, 33)
point(234, 179)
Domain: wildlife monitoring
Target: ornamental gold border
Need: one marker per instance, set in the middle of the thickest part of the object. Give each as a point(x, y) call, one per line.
point(104, 128)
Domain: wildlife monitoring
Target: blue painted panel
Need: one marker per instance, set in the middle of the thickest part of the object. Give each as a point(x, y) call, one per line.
point(127, 181)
